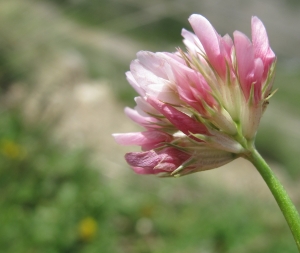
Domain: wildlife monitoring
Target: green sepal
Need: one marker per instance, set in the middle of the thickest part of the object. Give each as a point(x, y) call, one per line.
point(183, 166)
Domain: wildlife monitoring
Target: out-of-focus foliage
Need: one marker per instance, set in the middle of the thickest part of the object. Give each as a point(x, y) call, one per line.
point(11, 69)
point(53, 201)
point(96, 12)
point(46, 193)
point(112, 15)
point(279, 140)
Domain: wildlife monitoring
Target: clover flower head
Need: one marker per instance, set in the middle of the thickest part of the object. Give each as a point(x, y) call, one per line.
point(200, 108)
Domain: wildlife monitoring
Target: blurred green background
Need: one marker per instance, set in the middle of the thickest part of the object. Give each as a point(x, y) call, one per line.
point(64, 184)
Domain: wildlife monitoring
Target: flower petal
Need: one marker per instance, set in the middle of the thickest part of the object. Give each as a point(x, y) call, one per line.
point(257, 78)
point(139, 119)
point(245, 61)
point(154, 62)
point(192, 42)
point(180, 120)
point(142, 138)
point(144, 77)
point(261, 44)
point(143, 108)
point(167, 159)
point(146, 171)
point(210, 40)
point(134, 83)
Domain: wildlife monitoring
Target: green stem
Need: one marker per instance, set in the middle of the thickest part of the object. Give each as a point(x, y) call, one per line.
point(283, 200)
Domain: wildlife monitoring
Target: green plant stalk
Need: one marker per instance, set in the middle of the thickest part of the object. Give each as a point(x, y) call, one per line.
point(283, 200)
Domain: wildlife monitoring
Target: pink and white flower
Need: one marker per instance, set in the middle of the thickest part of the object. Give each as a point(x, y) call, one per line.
point(200, 108)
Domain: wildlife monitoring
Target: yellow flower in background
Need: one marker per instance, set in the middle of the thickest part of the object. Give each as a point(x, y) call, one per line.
point(87, 229)
point(11, 149)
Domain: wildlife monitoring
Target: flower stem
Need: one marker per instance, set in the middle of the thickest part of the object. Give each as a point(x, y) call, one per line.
point(283, 200)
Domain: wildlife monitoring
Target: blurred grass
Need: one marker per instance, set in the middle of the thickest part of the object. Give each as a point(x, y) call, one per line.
point(101, 65)
point(288, 84)
point(53, 200)
point(278, 139)
point(94, 13)
point(109, 15)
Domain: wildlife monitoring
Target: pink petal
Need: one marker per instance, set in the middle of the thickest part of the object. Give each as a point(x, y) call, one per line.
point(142, 107)
point(257, 77)
point(143, 76)
point(245, 60)
point(174, 57)
point(193, 88)
point(203, 89)
point(261, 45)
point(139, 119)
point(180, 120)
point(227, 42)
point(182, 75)
point(167, 159)
point(142, 138)
point(174, 62)
point(192, 42)
point(210, 40)
point(163, 92)
point(153, 62)
point(143, 171)
point(148, 77)
point(227, 45)
point(134, 83)
point(150, 146)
